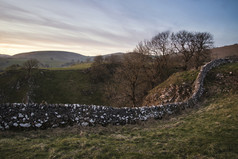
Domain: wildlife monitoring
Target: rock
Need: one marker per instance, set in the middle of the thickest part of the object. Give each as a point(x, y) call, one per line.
point(25, 125)
point(20, 115)
point(14, 117)
point(38, 125)
point(219, 76)
point(84, 124)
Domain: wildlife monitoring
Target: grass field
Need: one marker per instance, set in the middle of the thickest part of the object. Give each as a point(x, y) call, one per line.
point(6, 62)
point(209, 130)
point(51, 86)
point(73, 67)
point(178, 78)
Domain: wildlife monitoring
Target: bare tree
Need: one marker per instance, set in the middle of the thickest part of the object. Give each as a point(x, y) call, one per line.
point(160, 44)
point(157, 51)
point(183, 43)
point(98, 71)
point(98, 60)
point(203, 42)
point(161, 49)
point(113, 59)
point(103, 69)
point(129, 84)
point(150, 64)
point(29, 65)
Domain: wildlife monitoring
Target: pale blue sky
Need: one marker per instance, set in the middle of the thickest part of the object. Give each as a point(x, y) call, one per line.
point(93, 27)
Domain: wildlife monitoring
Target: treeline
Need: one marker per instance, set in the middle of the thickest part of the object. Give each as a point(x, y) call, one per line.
point(128, 78)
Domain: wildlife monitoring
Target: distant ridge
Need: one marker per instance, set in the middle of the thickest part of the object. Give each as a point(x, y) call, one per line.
point(4, 56)
point(48, 58)
point(225, 51)
point(51, 55)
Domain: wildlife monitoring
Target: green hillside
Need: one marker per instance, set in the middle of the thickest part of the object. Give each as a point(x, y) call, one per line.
point(52, 56)
point(51, 59)
point(208, 131)
point(51, 86)
point(46, 58)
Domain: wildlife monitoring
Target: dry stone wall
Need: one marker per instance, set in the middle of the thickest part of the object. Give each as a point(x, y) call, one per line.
point(19, 116)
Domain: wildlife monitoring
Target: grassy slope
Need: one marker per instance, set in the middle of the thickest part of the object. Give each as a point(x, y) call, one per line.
point(8, 84)
point(225, 51)
point(209, 131)
point(5, 62)
point(53, 86)
point(178, 78)
point(174, 86)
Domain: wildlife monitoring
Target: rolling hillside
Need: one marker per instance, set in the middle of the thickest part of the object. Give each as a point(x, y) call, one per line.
point(46, 58)
point(51, 56)
point(52, 59)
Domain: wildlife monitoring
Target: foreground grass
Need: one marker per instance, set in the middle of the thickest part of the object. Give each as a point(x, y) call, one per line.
point(208, 132)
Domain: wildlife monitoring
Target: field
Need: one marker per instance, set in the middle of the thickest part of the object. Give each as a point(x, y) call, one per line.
point(73, 67)
point(209, 130)
point(68, 85)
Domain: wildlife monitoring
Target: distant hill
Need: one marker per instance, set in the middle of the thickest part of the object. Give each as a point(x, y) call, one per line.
point(117, 53)
point(225, 51)
point(58, 56)
point(4, 56)
point(48, 58)
point(64, 58)
point(52, 55)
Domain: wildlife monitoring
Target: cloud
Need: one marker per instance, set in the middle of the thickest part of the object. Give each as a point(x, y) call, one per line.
point(106, 24)
point(60, 32)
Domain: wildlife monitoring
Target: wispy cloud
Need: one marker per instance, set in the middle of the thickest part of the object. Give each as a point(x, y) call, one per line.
point(97, 27)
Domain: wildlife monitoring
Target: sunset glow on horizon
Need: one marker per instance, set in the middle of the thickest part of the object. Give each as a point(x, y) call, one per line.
point(107, 26)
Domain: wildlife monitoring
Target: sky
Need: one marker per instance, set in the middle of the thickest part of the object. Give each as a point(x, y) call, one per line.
point(98, 27)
